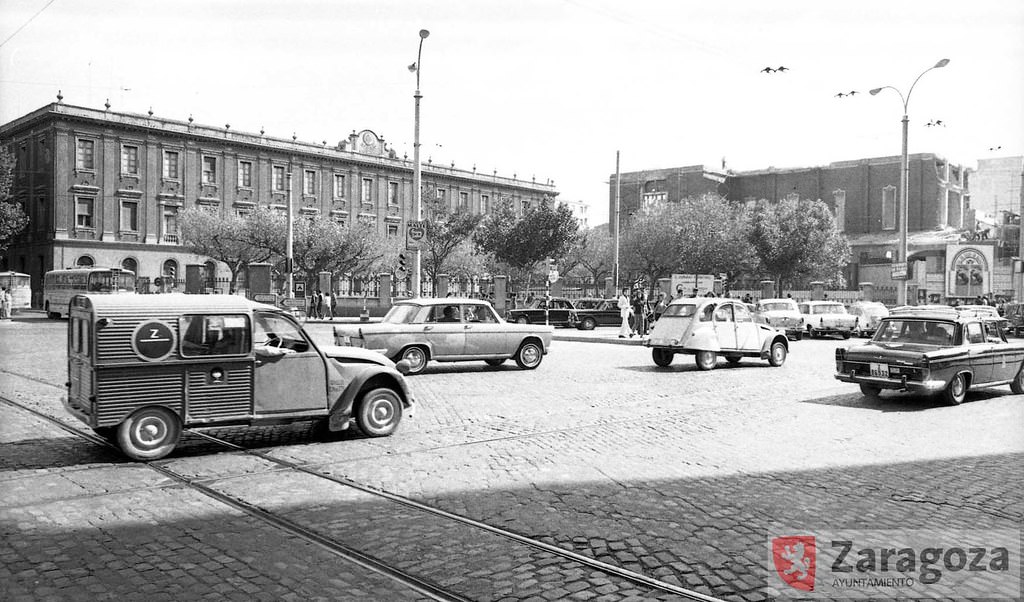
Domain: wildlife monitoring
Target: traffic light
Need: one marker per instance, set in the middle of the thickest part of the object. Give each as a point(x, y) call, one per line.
point(403, 267)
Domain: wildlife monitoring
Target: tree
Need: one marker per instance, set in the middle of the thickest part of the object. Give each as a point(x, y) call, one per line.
point(592, 255)
point(650, 246)
point(446, 232)
point(227, 239)
point(542, 232)
point(711, 235)
point(797, 239)
point(12, 219)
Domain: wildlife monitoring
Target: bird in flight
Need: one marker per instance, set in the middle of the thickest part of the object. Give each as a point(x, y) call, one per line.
point(995, 148)
point(840, 95)
point(851, 92)
point(767, 70)
point(935, 122)
point(783, 69)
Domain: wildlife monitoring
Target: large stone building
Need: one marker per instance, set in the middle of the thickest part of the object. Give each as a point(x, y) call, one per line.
point(106, 188)
point(864, 196)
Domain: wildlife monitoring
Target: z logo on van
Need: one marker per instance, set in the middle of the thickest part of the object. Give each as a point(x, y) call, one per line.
point(153, 340)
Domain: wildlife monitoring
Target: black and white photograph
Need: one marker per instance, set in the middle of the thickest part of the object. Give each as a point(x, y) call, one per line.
point(535, 300)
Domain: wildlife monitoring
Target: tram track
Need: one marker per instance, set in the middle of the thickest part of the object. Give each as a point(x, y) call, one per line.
point(424, 585)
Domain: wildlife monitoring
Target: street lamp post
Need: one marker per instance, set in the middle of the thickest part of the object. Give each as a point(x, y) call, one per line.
point(288, 268)
point(417, 204)
point(901, 290)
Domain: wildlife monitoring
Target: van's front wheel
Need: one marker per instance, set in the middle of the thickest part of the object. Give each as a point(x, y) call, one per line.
point(149, 434)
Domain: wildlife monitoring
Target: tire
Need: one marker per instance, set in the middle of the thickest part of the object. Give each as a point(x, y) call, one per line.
point(529, 355)
point(955, 393)
point(870, 390)
point(522, 320)
point(417, 358)
point(706, 360)
point(495, 362)
point(378, 412)
point(845, 335)
point(777, 354)
point(733, 359)
point(1017, 386)
point(662, 357)
point(149, 434)
point(588, 324)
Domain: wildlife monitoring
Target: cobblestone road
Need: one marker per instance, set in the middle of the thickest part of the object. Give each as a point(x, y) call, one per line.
point(678, 474)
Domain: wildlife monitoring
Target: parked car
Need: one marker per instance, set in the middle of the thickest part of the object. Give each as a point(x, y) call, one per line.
point(142, 368)
point(592, 312)
point(933, 351)
point(448, 330)
point(707, 327)
point(782, 314)
point(869, 315)
point(1014, 314)
point(558, 312)
point(987, 312)
point(827, 317)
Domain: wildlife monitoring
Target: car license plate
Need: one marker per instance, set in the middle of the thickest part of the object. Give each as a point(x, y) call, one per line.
point(879, 370)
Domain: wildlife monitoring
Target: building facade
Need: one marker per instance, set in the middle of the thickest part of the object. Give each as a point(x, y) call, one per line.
point(864, 196)
point(105, 188)
point(996, 186)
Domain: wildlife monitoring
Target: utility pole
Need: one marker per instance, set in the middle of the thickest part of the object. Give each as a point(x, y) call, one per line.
point(618, 201)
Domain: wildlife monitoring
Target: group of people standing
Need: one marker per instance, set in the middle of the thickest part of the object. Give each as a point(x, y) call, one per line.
point(637, 312)
point(320, 306)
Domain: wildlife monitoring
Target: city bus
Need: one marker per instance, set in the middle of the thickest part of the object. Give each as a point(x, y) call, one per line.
point(20, 287)
point(59, 286)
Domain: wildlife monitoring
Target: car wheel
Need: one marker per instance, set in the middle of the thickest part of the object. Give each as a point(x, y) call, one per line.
point(777, 354)
point(1017, 386)
point(845, 335)
point(956, 391)
point(733, 359)
point(522, 320)
point(706, 360)
point(149, 434)
point(662, 357)
point(588, 324)
point(379, 411)
point(495, 362)
point(529, 355)
point(870, 390)
point(417, 358)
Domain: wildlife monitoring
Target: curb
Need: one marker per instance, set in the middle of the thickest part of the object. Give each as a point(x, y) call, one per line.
point(636, 341)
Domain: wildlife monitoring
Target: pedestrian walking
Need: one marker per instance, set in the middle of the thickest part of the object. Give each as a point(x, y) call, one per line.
point(660, 305)
point(639, 304)
point(318, 305)
point(5, 303)
point(328, 305)
point(625, 309)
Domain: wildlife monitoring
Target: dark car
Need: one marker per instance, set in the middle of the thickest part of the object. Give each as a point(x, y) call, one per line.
point(1014, 314)
point(558, 312)
point(933, 351)
point(594, 311)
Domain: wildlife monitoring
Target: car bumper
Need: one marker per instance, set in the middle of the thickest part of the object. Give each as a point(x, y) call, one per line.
point(900, 384)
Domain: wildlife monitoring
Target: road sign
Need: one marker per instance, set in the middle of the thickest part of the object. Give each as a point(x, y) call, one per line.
point(265, 298)
point(899, 270)
point(293, 302)
point(415, 235)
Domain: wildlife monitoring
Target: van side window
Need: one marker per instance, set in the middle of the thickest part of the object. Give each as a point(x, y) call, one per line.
point(214, 334)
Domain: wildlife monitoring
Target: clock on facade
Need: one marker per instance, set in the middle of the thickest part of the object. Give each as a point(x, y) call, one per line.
point(369, 139)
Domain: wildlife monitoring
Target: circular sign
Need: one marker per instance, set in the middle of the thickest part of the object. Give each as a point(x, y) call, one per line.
point(417, 232)
point(153, 340)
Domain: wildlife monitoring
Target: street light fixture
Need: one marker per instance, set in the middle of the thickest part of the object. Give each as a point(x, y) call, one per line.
point(901, 290)
point(417, 204)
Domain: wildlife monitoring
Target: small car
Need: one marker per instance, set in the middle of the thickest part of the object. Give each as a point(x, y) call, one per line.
point(554, 311)
point(933, 351)
point(707, 327)
point(451, 329)
point(827, 317)
point(869, 314)
point(782, 314)
point(142, 368)
point(592, 312)
point(987, 312)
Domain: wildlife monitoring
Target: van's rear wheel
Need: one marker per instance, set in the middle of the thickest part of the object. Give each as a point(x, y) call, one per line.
point(379, 412)
point(149, 434)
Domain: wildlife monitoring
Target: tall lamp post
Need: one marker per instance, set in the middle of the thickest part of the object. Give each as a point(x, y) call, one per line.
point(901, 290)
point(289, 259)
point(417, 203)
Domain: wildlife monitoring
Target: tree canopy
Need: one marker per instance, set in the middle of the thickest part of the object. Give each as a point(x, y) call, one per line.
point(797, 239)
point(12, 219)
point(446, 233)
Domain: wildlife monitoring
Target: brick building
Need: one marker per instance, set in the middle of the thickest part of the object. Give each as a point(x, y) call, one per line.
point(105, 188)
point(864, 196)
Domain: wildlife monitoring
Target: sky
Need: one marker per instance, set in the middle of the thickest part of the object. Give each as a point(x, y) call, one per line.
point(545, 89)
